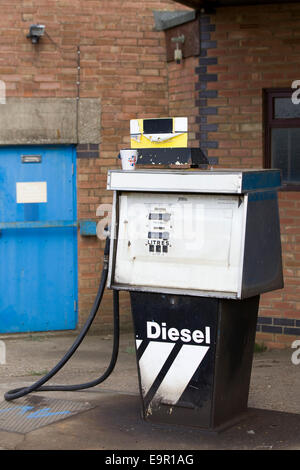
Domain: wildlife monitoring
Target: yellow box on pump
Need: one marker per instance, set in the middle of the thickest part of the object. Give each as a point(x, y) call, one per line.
point(159, 132)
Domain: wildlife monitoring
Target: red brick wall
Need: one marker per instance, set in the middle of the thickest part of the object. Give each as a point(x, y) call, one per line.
point(123, 62)
point(182, 87)
point(285, 304)
point(257, 47)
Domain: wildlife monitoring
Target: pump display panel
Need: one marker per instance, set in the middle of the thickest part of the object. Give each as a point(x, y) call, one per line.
point(179, 241)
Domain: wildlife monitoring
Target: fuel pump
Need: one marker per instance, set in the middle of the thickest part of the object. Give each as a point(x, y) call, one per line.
point(195, 248)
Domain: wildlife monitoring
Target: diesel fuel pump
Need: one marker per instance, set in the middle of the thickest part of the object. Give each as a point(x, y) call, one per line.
point(195, 247)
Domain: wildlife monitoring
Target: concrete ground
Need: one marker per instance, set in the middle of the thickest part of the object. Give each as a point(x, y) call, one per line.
point(113, 420)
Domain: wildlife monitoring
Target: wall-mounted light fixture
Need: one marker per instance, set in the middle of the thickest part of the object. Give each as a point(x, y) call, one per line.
point(36, 31)
point(178, 51)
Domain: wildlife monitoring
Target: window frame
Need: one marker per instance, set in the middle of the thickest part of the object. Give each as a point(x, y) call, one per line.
point(269, 123)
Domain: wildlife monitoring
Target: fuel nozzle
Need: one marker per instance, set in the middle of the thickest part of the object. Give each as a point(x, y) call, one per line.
point(106, 232)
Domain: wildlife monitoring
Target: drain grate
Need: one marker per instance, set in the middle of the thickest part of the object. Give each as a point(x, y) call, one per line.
point(32, 412)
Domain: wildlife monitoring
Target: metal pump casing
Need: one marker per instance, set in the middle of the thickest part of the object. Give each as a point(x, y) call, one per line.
point(220, 237)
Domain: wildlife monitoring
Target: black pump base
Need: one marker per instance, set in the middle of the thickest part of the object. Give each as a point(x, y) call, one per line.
point(194, 357)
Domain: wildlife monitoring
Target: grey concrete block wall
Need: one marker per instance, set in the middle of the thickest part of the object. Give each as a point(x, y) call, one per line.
point(50, 121)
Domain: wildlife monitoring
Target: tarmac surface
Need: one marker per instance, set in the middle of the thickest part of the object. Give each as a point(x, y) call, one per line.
point(108, 416)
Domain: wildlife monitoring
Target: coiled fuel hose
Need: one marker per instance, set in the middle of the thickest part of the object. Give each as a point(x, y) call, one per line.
point(39, 385)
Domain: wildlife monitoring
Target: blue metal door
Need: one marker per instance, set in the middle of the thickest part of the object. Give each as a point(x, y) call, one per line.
point(38, 239)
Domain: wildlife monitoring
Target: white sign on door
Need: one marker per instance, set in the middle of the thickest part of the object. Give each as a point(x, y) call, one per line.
point(32, 192)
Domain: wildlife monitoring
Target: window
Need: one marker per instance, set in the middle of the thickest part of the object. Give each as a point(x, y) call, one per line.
point(282, 135)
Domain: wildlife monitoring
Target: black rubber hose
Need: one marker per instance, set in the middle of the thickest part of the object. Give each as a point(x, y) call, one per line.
point(38, 386)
